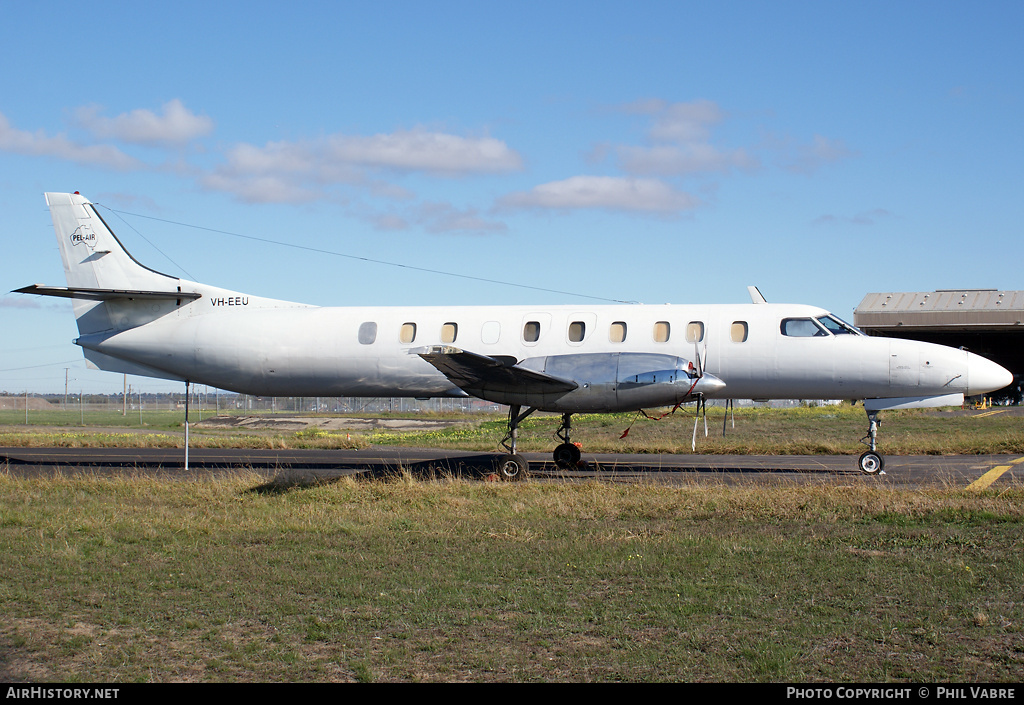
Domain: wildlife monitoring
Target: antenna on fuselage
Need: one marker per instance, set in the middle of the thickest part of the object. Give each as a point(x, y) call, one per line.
point(755, 295)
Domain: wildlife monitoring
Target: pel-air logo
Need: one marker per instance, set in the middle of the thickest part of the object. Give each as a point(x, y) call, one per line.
point(84, 235)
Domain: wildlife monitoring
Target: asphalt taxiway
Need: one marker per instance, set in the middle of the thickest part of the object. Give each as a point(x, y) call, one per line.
point(301, 466)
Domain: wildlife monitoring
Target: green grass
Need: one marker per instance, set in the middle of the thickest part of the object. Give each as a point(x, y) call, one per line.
point(757, 431)
point(116, 580)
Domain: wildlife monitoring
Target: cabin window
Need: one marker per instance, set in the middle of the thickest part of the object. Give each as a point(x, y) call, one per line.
point(449, 332)
point(490, 333)
point(694, 332)
point(802, 328)
point(577, 331)
point(368, 333)
point(531, 332)
point(408, 333)
point(617, 333)
point(661, 331)
point(738, 331)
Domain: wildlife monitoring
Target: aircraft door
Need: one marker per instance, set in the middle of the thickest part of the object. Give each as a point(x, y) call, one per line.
point(904, 366)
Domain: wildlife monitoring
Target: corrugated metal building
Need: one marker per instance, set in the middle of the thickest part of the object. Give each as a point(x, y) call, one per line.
point(985, 321)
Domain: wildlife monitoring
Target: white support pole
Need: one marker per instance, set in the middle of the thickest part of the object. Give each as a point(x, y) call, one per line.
point(186, 424)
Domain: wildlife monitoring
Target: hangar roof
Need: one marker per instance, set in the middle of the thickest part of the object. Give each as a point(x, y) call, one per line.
point(943, 309)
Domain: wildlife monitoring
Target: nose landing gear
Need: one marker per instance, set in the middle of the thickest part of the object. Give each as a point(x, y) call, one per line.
point(871, 462)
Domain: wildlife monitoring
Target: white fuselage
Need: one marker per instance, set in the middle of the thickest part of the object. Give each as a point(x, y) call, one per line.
point(258, 346)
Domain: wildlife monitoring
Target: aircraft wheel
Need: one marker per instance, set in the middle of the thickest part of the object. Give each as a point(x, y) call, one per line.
point(871, 463)
point(513, 467)
point(567, 456)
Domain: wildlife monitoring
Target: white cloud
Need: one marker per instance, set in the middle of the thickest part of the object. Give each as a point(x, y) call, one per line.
point(679, 141)
point(22, 301)
point(446, 218)
point(175, 125)
point(670, 160)
point(302, 170)
point(260, 188)
point(60, 147)
point(435, 217)
point(679, 122)
point(863, 218)
point(807, 158)
point(389, 221)
point(604, 192)
point(274, 158)
point(419, 150)
point(821, 151)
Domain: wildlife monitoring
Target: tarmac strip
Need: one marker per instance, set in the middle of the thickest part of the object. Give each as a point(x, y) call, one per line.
point(976, 472)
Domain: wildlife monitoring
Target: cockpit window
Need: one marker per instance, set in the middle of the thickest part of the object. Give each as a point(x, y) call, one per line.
point(837, 326)
point(802, 328)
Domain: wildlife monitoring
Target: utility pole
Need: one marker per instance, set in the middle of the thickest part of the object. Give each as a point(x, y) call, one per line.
point(65, 389)
point(124, 411)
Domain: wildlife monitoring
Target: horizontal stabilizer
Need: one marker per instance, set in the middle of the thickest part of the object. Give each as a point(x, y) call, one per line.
point(481, 374)
point(67, 292)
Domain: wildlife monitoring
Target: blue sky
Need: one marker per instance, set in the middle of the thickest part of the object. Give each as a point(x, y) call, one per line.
point(642, 151)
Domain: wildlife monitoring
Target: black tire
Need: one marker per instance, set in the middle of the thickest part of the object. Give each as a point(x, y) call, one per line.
point(567, 456)
point(513, 468)
point(871, 463)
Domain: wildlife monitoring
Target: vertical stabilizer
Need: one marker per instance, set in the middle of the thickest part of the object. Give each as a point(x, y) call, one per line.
point(93, 256)
point(95, 259)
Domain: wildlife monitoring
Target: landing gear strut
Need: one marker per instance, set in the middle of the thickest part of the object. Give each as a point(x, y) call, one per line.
point(566, 455)
point(513, 466)
point(870, 461)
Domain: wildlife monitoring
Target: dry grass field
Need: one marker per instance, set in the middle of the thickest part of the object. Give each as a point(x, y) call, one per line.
point(231, 579)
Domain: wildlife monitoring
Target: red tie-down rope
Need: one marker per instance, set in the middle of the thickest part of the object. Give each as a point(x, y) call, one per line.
point(658, 418)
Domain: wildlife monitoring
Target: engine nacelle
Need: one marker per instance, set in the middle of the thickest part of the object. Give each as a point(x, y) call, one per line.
point(617, 381)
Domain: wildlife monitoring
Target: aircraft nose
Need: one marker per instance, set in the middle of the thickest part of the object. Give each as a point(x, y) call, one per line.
point(983, 375)
point(708, 385)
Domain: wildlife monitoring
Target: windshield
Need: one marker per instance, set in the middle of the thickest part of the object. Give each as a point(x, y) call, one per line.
point(820, 327)
point(837, 326)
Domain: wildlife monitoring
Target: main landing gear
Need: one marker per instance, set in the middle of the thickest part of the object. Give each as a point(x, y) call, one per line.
point(870, 461)
point(567, 454)
point(512, 466)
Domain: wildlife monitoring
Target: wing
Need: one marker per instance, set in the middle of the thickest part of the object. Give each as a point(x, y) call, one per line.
point(493, 377)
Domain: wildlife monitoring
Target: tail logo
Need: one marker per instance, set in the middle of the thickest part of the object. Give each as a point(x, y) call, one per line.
point(84, 235)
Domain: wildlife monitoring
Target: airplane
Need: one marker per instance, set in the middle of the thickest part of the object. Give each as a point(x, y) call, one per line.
point(568, 359)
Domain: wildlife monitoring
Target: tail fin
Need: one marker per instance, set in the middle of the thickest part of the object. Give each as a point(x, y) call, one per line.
point(111, 290)
point(93, 257)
